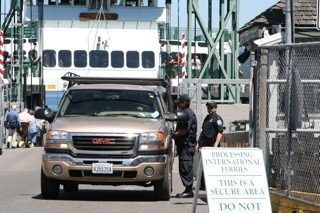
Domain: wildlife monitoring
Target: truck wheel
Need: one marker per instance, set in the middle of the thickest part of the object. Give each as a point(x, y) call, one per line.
point(163, 188)
point(71, 188)
point(49, 187)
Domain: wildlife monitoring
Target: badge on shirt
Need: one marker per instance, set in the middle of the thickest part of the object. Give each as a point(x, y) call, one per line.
point(219, 122)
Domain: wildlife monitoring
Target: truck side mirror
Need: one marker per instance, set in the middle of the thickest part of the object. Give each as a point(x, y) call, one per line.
point(177, 115)
point(182, 115)
point(46, 114)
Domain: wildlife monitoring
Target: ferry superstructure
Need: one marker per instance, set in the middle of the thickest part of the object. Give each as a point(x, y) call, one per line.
point(109, 38)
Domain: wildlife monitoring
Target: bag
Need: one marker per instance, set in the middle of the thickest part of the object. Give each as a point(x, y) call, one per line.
point(44, 129)
point(38, 125)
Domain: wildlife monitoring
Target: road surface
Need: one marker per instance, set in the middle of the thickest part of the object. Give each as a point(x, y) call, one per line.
point(20, 191)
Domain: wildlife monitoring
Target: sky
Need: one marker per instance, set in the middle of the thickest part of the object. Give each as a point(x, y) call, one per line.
point(248, 10)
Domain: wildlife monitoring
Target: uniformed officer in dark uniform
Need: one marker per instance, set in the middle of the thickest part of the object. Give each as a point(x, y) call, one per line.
point(212, 129)
point(185, 138)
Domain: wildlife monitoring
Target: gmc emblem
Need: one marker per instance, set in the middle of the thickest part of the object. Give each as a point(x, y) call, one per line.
point(103, 141)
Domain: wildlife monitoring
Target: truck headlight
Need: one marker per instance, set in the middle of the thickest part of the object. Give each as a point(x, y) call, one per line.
point(151, 141)
point(57, 135)
point(58, 158)
point(57, 139)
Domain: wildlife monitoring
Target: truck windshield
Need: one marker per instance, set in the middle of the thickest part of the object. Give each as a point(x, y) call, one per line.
point(131, 103)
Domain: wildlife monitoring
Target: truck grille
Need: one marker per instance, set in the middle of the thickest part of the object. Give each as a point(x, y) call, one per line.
point(104, 143)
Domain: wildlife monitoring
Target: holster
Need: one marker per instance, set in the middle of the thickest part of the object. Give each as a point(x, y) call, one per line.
point(191, 141)
point(206, 141)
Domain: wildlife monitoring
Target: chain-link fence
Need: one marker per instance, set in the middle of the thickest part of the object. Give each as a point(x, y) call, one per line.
point(286, 118)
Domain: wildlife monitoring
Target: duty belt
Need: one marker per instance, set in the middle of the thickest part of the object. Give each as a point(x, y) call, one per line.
point(207, 141)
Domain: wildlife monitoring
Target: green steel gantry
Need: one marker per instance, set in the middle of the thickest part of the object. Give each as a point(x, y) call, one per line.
point(17, 77)
point(218, 65)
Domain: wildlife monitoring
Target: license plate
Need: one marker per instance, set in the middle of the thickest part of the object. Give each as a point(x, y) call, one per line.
point(102, 168)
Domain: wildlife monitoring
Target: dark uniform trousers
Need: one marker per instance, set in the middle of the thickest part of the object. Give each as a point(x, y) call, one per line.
point(186, 153)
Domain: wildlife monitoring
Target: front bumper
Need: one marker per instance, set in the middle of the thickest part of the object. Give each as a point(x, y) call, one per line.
point(124, 170)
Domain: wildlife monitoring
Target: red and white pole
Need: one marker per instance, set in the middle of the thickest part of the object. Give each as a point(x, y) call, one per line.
point(1, 56)
point(183, 55)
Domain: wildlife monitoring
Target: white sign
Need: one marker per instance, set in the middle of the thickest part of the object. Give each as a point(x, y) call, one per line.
point(235, 180)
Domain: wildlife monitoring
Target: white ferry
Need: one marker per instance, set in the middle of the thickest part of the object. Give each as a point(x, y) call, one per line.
point(109, 38)
point(97, 38)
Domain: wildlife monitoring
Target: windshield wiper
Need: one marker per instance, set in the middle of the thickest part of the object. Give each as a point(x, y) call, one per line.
point(81, 113)
point(121, 114)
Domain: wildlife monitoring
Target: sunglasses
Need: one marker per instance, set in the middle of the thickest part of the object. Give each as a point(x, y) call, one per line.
point(209, 107)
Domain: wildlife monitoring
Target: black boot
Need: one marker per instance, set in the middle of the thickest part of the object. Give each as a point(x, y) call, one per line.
point(26, 144)
point(188, 193)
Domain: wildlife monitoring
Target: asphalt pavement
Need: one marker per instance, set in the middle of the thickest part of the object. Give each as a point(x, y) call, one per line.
point(20, 191)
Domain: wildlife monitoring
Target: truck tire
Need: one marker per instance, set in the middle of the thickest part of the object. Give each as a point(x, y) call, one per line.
point(163, 188)
point(49, 187)
point(1, 151)
point(71, 188)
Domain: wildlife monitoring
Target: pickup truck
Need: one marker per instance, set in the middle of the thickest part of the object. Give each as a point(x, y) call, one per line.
point(110, 131)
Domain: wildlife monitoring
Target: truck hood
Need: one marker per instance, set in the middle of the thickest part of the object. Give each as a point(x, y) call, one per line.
point(107, 124)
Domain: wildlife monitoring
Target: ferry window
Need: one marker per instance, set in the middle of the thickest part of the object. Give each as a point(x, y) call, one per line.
point(33, 40)
point(132, 59)
point(49, 58)
point(131, 3)
point(202, 44)
point(80, 58)
point(116, 3)
point(98, 58)
point(175, 43)
point(192, 44)
point(16, 41)
point(162, 43)
point(147, 59)
point(51, 2)
point(32, 54)
point(64, 58)
point(146, 3)
point(174, 55)
point(117, 58)
point(202, 56)
point(64, 2)
point(79, 2)
point(96, 4)
point(163, 57)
